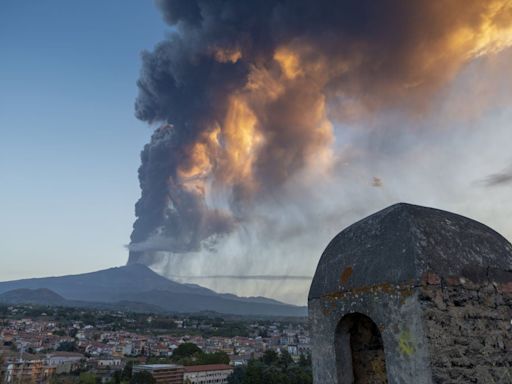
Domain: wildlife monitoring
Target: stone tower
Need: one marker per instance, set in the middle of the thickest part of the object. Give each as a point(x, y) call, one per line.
point(413, 295)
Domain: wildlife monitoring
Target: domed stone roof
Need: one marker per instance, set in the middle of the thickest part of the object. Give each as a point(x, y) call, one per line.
point(403, 242)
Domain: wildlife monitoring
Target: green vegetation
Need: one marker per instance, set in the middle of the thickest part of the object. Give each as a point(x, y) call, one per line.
point(64, 379)
point(272, 368)
point(1, 369)
point(185, 351)
point(191, 354)
point(87, 378)
point(67, 346)
point(124, 376)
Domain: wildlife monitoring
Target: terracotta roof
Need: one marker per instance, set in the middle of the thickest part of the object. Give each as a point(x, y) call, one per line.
point(65, 354)
point(209, 367)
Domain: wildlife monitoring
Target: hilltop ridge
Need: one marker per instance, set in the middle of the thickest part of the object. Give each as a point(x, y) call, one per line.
point(137, 286)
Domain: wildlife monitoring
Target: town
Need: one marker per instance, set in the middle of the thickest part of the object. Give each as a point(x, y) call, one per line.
point(75, 345)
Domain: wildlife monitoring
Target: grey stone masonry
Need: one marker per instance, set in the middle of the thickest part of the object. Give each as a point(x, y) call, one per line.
point(468, 329)
point(413, 295)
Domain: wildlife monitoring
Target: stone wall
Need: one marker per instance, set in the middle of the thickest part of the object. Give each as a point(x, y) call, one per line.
point(468, 328)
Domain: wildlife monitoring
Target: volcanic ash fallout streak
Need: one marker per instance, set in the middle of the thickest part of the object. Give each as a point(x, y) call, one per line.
point(245, 95)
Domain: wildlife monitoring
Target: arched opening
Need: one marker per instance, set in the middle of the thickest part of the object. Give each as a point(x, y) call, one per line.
point(359, 349)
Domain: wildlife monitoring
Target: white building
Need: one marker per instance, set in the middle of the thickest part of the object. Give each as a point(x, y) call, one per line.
point(111, 363)
point(207, 374)
point(58, 358)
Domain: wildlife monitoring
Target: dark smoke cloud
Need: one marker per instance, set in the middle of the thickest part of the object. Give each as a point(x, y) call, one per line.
point(280, 71)
point(388, 47)
point(181, 215)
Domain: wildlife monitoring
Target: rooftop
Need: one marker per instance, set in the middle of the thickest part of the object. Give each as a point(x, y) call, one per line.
point(209, 367)
point(154, 367)
point(403, 242)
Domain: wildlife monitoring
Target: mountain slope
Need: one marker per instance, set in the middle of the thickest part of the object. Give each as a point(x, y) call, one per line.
point(137, 283)
point(218, 303)
point(105, 285)
point(31, 296)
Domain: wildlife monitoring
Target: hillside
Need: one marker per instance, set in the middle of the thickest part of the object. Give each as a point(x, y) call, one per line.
point(31, 296)
point(137, 285)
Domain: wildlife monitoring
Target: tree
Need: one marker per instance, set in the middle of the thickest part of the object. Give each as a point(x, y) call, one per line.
point(269, 357)
point(263, 333)
point(72, 332)
point(218, 357)
point(87, 378)
point(305, 360)
point(142, 377)
point(254, 373)
point(299, 375)
point(238, 376)
point(116, 377)
point(1, 369)
point(67, 346)
point(59, 332)
point(191, 354)
point(273, 369)
point(285, 360)
point(126, 374)
point(275, 375)
point(185, 350)
point(63, 379)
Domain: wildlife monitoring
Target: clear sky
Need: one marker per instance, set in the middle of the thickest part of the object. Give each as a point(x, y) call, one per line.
point(69, 147)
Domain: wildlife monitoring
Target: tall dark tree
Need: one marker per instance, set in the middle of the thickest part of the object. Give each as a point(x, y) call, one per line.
point(186, 350)
point(238, 376)
point(285, 360)
point(270, 357)
point(272, 368)
point(126, 374)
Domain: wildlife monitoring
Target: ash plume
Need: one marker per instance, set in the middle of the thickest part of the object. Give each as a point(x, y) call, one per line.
point(252, 97)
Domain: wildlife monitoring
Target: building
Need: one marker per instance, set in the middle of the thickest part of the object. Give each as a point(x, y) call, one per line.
point(109, 363)
point(64, 362)
point(28, 371)
point(163, 373)
point(207, 374)
point(413, 295)
point(57, 358)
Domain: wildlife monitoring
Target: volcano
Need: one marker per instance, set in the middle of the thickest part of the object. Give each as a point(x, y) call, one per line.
point(136, 287)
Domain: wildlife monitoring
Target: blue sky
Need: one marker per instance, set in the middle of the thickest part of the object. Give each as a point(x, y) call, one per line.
point(70, 143)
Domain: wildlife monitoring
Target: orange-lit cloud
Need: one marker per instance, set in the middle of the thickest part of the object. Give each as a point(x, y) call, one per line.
point(254, 90)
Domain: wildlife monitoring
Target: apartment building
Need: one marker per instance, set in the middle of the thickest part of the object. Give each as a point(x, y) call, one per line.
point(207, 374)
point(162, 373)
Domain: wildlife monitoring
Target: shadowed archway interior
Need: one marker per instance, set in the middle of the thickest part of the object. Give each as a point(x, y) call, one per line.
point(359, 351)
